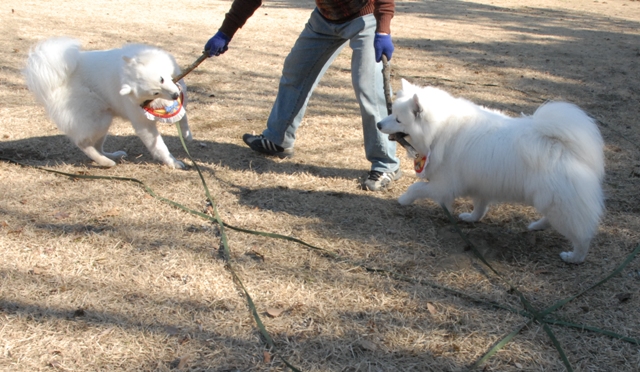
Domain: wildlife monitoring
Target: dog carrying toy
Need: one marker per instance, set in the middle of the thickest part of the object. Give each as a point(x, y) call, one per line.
point(165, 114)
point(169, 114)
point(419, 161)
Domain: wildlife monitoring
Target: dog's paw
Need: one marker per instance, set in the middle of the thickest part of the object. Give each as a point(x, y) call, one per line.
point(116, 155)
point(404, 199)
point(177, 164)
point(571, 257)
point(467, 217)
point(105, 162)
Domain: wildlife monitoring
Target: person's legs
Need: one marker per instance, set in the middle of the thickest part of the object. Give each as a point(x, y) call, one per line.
point(314, 51)
point(366, 75)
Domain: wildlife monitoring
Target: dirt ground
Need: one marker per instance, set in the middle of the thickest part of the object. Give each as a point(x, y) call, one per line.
point(99, 275)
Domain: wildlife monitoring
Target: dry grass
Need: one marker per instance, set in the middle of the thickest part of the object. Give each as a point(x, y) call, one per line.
point(97, 275)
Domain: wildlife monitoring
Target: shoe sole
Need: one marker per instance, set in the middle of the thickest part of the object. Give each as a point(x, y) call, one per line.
point(281, 155)
point(263, 151)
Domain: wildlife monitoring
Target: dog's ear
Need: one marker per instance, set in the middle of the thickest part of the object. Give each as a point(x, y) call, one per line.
point(405, 85)
point(125, 89)
point(416, 106)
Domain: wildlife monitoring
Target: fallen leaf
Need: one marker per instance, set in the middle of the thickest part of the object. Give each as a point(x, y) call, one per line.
point(432, 308)
point(266, 357)
point(105, 332)
point(623, 297)
point(183, 362)
point(255, 255)
point(368, 345)
point(171, 330)
point(518, 365)
point(36, 271)
point(274, 312)
point(60, 215)
point(16, 231)
point(54, 364)
point(111, 212)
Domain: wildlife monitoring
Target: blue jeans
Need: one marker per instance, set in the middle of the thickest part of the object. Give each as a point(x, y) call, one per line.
point(316, 48)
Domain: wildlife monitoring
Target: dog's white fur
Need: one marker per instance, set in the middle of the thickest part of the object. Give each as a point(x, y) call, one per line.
point(552, 160)
point(83, 91)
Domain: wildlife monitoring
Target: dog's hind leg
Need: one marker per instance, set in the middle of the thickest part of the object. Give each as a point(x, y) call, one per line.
point(578, 227)
point(580, 250)
point(93, 149)
point(111, 155)
point(96, 155)
point(480, 208)
point(88, 130)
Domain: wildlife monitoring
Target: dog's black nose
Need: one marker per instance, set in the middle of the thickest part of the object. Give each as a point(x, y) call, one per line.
point(379, 126)
point(175, 95)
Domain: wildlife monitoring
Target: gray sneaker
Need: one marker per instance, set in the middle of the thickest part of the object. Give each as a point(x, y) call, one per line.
point(377, 181)
point(262, 145)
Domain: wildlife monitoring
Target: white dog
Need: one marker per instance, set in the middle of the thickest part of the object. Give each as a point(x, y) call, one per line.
point(83, 90)
point(552, 160)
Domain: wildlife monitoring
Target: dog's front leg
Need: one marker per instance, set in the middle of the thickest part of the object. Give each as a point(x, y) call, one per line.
point(427, 190)
point(184, 122)
point(418, 190)
point(184, 128)
point(152, 139)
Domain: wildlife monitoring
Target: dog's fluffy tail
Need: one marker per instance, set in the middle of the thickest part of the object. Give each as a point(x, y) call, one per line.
point(49, 66)
point(575, 130)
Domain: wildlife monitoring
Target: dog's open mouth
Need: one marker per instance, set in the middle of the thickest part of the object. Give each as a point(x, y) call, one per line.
point(395, 136)
point(400, 138)
point(168, 114)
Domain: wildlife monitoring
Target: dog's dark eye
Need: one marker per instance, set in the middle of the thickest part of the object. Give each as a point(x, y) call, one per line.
point(161, 80)
point(398, 121)
point(156, 93)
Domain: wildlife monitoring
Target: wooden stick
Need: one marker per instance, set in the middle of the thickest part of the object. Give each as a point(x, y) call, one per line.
point(191, 67)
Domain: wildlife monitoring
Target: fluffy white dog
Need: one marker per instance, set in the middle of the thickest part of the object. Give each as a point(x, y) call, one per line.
point(552, 160)
point(83, 91)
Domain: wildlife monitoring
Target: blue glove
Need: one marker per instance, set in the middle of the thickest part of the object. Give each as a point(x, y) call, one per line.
point(383, 45)
point(217, 45)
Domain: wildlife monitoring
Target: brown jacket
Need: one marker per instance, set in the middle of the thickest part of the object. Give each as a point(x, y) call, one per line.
point(336, 11)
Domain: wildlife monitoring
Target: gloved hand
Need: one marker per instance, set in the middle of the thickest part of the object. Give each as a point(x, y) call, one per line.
point(383, 45)
point(217, 45)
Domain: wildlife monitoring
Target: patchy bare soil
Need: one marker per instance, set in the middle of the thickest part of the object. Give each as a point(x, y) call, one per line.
point(99, 275)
